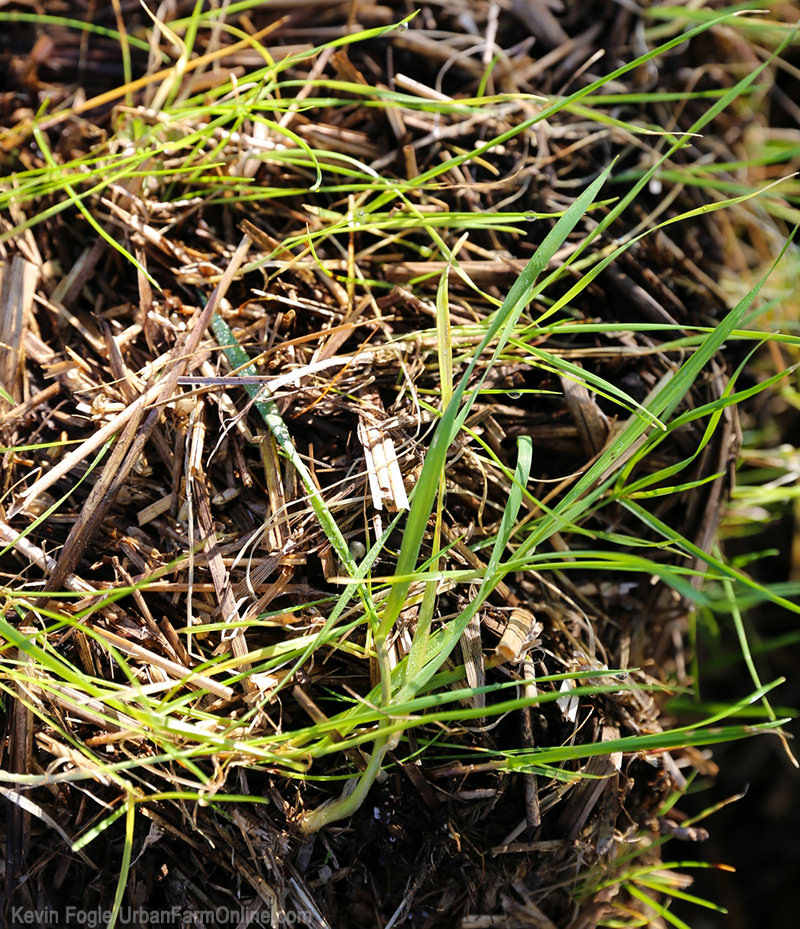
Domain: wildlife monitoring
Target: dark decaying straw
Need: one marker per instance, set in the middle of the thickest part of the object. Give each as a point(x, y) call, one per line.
point(247, 259)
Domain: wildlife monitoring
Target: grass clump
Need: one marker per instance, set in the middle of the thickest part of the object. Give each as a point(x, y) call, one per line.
point(370, 408)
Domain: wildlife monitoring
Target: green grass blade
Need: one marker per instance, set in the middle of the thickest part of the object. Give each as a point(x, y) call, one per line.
point(500, 328)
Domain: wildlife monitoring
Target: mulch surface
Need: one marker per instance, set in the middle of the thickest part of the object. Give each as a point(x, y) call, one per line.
point(443, 840)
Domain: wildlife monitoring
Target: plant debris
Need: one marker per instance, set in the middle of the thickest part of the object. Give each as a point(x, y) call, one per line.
point(244, 265)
